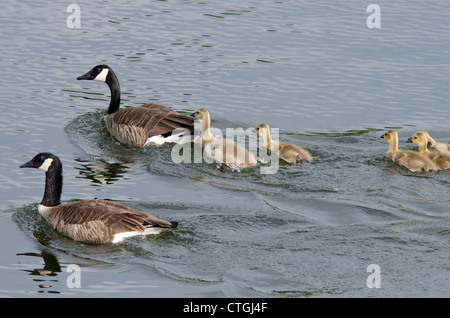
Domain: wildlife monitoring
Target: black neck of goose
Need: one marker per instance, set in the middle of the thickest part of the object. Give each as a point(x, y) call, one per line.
point(53, 185)
point(114, 87)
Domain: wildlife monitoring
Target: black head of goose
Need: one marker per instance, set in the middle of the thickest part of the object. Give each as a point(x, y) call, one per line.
point(94, 221)
point(144, 125)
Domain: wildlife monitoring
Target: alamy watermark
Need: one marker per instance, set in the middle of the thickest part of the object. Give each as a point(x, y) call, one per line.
point(74, 279)
point(374, 279)
point(74, 19)
point(374, 19)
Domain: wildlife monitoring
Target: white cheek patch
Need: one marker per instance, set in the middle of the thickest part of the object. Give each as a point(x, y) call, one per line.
point(47, 163)
point(101, 77)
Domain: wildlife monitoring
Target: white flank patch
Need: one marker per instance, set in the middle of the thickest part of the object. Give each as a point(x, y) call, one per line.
point(155, 140)
point(47, 163)
point(119, 237)
point(182, 137)
point(101, 77)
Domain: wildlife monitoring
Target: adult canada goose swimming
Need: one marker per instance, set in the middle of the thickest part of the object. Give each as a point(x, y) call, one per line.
point(224, 151)
point(89, 221)
point(442, 160)
point(144, 125)
point(412, 160)
point(438, 146)
point(286, 151)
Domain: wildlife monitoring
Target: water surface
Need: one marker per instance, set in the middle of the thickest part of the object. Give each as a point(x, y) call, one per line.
point(312, 69)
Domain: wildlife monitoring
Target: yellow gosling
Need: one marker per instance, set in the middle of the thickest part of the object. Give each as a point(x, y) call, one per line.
point(441, 160)
point(412, 160)
point(286, 151)
point(438, 146)
point(224, 151)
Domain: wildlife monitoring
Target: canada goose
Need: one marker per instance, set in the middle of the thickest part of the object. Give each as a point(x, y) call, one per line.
point(412, 160)
point(89, 221)
point(223, 150)
point(441, 160)
point(144, 125)
point(288, 152)
point(438, 146)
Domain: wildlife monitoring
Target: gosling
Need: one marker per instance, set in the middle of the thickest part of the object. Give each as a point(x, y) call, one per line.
point(441, 160)
point(223, 151)
point(286, 151)
point(412, 160)
point(438, 146)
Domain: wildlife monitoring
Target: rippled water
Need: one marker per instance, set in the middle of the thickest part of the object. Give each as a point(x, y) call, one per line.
point(313, 69)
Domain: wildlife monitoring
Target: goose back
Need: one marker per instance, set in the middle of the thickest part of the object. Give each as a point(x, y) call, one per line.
point(100, 221)
point(135, 125)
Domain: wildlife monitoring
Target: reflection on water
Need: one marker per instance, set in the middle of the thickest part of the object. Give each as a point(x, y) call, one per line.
point(100, 171)
point(48, 273)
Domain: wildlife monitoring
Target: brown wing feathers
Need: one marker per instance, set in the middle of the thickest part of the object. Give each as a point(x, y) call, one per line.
point(97, 221)
point(149, 120)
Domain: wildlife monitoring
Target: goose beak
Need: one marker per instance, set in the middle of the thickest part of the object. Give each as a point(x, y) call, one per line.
point(192, 115)
point(86, 76)
point(29, 164)
point(409, 140)
point(382, 136)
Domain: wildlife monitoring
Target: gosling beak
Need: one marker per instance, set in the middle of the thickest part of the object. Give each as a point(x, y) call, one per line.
point(382, 136)
point(86, 76)
point(409, 140)
point(29, 164)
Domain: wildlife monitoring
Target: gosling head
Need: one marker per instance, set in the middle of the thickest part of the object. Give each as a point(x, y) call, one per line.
point(42, 161)
point(427, 136)
point(97, 73)
point(419, 138)
point(389, 135)
point(201, 114)
point(262, 129)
